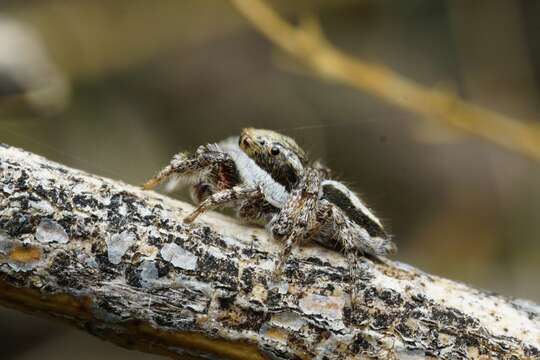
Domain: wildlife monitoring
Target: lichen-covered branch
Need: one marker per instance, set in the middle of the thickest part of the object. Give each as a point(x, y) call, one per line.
point(307, 45)
point(119, 263)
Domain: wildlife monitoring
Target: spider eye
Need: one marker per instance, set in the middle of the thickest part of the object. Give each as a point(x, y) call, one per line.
point(274, 151)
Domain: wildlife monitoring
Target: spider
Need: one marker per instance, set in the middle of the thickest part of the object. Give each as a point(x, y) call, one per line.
point(222, 175)
point(267, 178)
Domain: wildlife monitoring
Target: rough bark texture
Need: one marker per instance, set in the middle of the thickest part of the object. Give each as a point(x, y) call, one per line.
point(119, 263)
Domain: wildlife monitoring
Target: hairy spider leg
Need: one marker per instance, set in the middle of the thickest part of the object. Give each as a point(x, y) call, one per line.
point(180, 163)
point(297, 220)
point(209, 166)
point(344, 232)
point(349, 237)
point(256, 210)
point(222, 198)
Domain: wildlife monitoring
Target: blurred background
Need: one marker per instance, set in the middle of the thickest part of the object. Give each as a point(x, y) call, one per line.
point(117, 87)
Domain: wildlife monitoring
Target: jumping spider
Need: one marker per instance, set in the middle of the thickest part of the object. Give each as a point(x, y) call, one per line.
point(267, 178)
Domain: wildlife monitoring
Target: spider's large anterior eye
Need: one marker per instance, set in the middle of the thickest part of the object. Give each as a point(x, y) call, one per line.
point(274, 151)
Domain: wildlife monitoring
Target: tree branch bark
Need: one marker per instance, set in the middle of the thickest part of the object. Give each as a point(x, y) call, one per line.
point(119, 263)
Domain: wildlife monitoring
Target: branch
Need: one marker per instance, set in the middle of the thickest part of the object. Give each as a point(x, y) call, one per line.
point(119, 263)
point(307, 44)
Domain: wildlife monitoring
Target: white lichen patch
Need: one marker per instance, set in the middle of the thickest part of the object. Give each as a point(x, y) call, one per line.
point(281, 286)
point(118, 244)
point(143, 212)
point(232, 242)
point(87, 260)
point(5, 243)
point(42, 206)
point(288, 320)
point(149, 273)
point(8, 189)
point(267, 265)
point(195, 285)
point(23, 267)
point(331, 307)
point(122, 210)
point(179, 257)
point(81, 188)
point(49, 231)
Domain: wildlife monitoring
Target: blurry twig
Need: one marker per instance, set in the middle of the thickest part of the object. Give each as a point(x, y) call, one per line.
point(307, 44)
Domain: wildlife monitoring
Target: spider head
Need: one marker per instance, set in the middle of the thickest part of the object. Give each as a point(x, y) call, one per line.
point(277, 154)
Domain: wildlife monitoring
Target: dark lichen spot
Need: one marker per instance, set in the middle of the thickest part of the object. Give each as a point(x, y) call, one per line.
point(356, 316)
point(66, 273)
point(391, 297)
point(383, 320)
point(69, 224)
point(108, 307)
point(115, 202)
point(165, 224)
point(21, 184)
point(254, 320)
point(451, 316)
point(297, 342)
point(148, 219)
point(23, 200)
point(329, 289)
point(226, 302)
point(132, 275)
point(223, 270)
point(174, 320)
point(18, 224)
point(370, 294)
point(404, 330)
point(163, 267)
point(99, 249)
point(419, 298)
point(210, 237)
point(292, 270)
point(246, 280)
point(274, 299)
point(316, 261)
point(359, 344)
point(347, 315)
point(467, 340)
point(154, 240)
point(86, 201)
point(531, 351)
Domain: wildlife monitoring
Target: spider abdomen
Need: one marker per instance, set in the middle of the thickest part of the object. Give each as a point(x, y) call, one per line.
point(339, 195)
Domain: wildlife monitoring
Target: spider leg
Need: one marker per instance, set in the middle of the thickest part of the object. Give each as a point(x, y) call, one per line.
point(298, 233)
point(298, 219)
point(323, 170)
point(180, 163)
point(222, 198)
point(345, 233)
point(256, 209)
point(208, 161)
